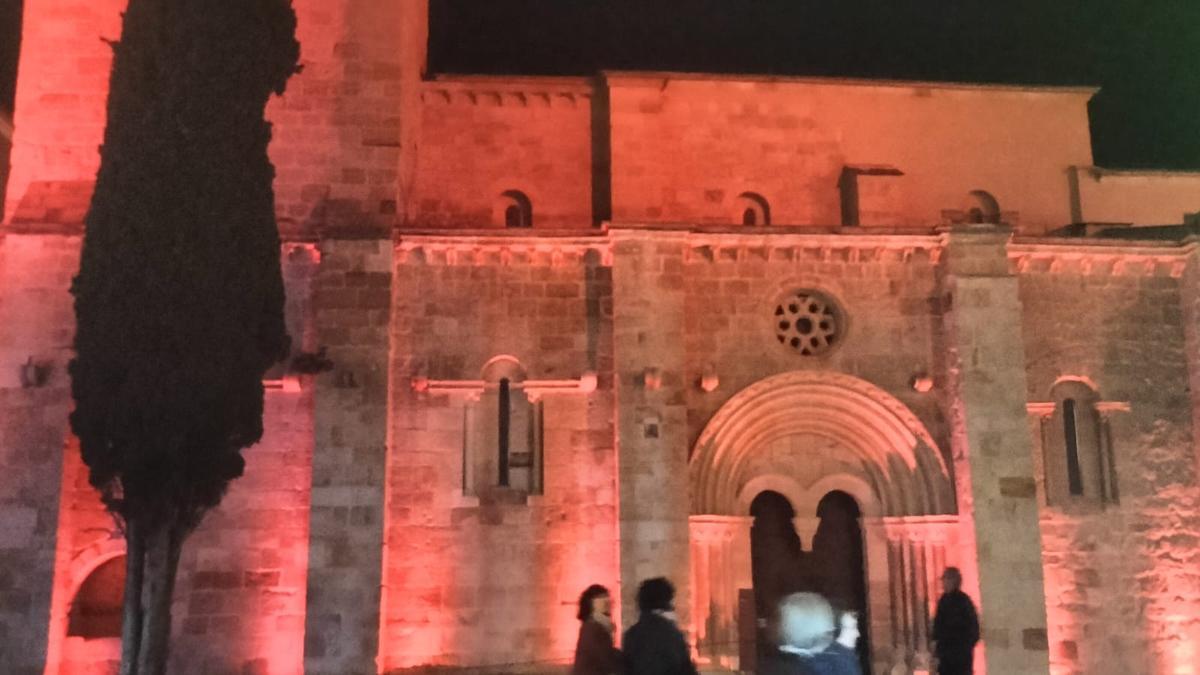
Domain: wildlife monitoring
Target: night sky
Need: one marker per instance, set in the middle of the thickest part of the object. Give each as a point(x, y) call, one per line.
point(1145, 54)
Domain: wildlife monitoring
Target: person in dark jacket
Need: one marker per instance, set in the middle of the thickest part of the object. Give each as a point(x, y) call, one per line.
point(594, 652)
point(843, 652)
point(655, 645)
point(955, 627)
point(806, 631)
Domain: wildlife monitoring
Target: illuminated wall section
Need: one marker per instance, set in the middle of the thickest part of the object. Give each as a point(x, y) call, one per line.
point(62, 87)
point(476, 573)
point(242, 576)
point(684, 147)
point(1121, 590)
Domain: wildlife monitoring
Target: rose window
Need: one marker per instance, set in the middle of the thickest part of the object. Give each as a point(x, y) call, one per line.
point(808, 322)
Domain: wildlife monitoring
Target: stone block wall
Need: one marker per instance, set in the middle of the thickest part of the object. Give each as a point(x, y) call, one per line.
point(242, 576)
point(482, 137)
point(240, 602)
point(337, 130)
point(493, 577)
point(352, 306)
point(985, 400)
point(649, 300)
point(240, 597)
point(885, 292)
point(1121, 590)
point(36, 326)
point(62, 88)
point(86, 538)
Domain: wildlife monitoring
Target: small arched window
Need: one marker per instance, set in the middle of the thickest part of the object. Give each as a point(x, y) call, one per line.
point(1078, 465)
point(96, 609)
point(751, 209)
point(513, 210)
point(981, 207)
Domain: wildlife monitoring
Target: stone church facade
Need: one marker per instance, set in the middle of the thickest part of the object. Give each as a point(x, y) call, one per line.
point(580, 327)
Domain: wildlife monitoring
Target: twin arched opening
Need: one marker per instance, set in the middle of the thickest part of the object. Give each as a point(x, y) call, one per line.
point(869, 497)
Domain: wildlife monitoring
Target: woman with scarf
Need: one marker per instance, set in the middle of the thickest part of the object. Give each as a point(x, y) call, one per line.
point(594, 652)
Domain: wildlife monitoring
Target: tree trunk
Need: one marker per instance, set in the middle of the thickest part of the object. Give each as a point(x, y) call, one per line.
point(131, 619)
point(162, 563)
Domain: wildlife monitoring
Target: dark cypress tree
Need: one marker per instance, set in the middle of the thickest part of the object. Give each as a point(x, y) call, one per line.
point(179, 297)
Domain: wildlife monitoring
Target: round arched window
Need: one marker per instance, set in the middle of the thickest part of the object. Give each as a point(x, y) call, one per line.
point(808, 322)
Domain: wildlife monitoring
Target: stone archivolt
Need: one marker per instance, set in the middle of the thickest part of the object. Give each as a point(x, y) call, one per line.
point(911, 475)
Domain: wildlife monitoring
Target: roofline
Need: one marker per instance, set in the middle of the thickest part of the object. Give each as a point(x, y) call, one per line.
point(1099, 171)
point(657, 77)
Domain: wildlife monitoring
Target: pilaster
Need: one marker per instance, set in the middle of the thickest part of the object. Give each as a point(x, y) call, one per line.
point(37, 325)
point(352, 299)
point(992, 449)
point(652, 450)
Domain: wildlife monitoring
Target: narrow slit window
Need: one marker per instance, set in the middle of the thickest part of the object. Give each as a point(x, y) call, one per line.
point(504, 416)
point(1074, 475)
point(749, 217)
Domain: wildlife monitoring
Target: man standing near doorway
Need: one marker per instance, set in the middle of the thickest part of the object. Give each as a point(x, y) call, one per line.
point(955, 627)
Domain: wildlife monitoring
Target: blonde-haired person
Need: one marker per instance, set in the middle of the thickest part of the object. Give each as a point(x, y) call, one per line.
point(806, 631)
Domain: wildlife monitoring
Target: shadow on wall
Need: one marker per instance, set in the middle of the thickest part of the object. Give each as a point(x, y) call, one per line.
point(6, 131)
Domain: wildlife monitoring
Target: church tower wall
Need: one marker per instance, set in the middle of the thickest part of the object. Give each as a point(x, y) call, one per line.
point(337, 147)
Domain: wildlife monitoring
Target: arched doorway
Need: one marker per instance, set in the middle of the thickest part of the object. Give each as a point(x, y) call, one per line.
point(833, 565)
point(777, 562)
point(838, 562)
point(873, 512)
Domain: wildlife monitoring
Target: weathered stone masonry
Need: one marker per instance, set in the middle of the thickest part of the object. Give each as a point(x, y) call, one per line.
point(982, 272)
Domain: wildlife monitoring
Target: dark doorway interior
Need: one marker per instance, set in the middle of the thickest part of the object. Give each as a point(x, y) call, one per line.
point(837, 561)
point(776, 559)
point(834, 567)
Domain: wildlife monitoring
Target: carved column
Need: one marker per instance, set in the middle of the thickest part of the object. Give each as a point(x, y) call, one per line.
point(720, 561)
point(917, 552)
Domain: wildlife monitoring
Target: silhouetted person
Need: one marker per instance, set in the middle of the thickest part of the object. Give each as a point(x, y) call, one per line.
point(806, 645)
point(955, 627)
point(844, 650)
point(594, 652)
point(655, 645)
